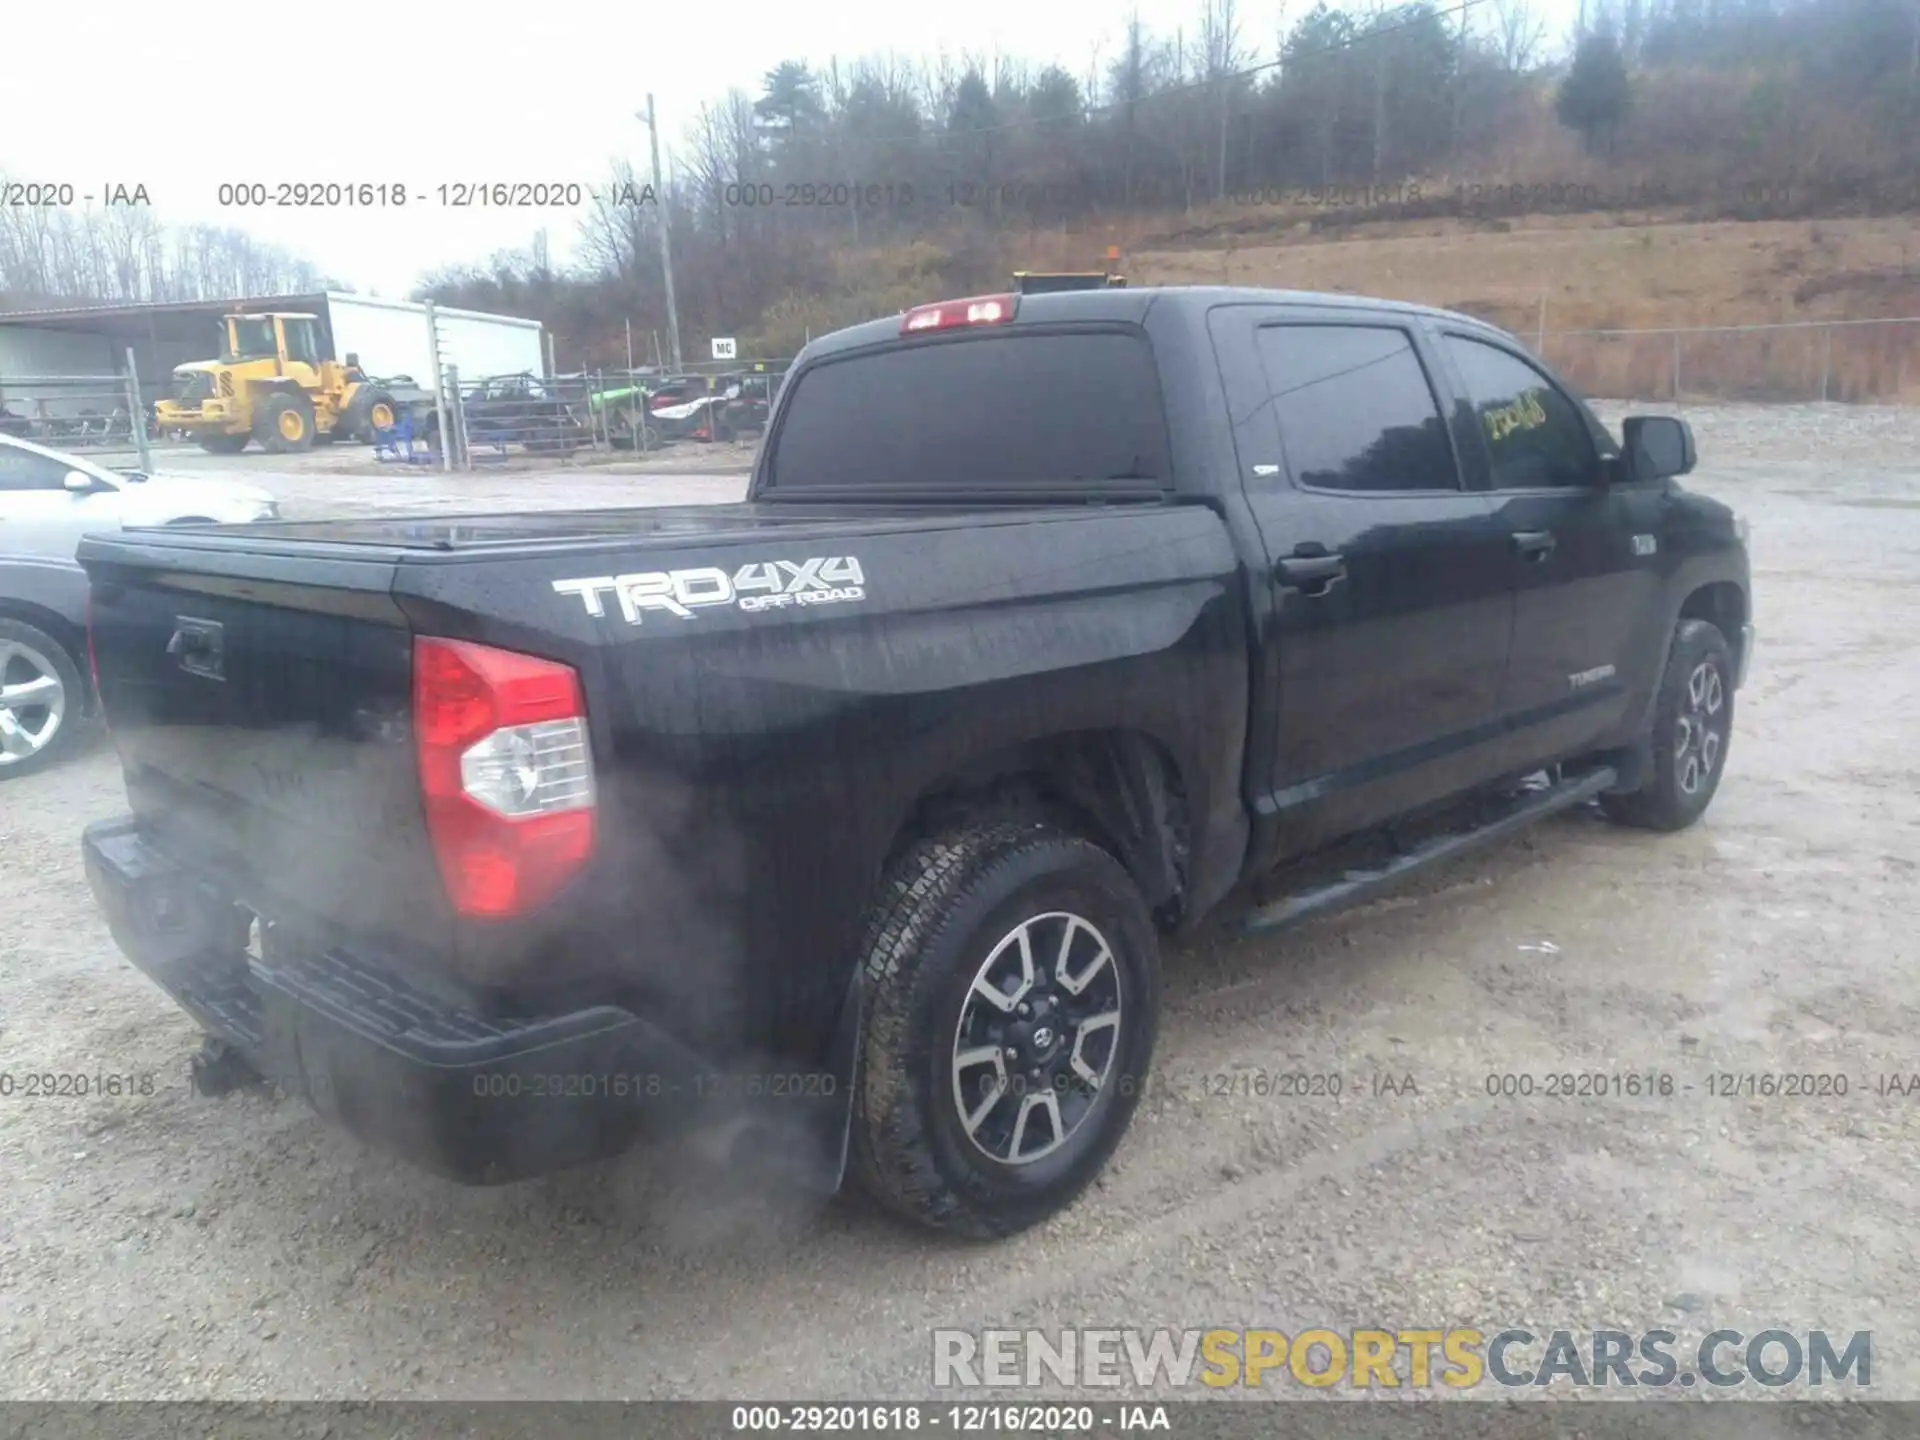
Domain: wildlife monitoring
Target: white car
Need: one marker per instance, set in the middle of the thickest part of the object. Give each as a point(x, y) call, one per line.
point(49, 499)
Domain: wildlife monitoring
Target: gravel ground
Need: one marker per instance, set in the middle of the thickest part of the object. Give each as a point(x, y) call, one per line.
point(167, 1246)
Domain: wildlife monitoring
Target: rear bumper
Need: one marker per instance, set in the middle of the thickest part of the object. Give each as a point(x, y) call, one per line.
point(478, 1100)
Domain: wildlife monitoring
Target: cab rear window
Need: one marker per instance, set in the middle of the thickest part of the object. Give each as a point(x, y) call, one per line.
point(977, 413)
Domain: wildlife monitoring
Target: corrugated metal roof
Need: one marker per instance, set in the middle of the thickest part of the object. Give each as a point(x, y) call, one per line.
point(310, 301)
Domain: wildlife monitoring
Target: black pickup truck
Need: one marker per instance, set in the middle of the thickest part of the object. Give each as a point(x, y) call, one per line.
point(847, 821)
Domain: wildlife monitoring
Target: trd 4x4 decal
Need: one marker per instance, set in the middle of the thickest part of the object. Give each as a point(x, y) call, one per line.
point(761, 585)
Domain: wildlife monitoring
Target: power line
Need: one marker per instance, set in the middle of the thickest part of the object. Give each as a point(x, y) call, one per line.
point(1087, 111)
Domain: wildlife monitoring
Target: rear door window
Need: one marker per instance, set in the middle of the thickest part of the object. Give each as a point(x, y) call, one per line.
point(1001, 412)
point(1355, 409)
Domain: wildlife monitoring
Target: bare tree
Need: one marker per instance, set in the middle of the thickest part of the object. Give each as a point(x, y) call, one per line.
point(1130, 88)
point(1518, 34)
point(1221, 61)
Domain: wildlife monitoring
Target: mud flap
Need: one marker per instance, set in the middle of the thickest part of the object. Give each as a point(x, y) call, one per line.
point(843, 1063)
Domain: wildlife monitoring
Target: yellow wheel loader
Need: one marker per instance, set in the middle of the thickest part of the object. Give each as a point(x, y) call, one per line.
point(270, 384)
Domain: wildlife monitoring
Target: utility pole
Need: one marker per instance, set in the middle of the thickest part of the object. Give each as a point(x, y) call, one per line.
point(666, 223)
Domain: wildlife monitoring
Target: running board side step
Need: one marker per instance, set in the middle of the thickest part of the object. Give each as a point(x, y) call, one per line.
point(1523, 810)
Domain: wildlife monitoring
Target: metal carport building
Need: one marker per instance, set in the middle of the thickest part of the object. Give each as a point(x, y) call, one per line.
point(393, 337)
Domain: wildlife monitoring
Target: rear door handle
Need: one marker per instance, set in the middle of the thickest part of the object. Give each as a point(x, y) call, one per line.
point(1312, 575)
point(1533, 545)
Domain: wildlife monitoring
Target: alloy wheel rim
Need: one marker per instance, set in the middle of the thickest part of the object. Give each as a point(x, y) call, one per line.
point(1700, 735)
point(33, 702)
point(1037, 1037)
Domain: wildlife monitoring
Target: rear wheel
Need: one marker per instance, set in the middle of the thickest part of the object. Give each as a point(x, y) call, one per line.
point(285, 423)
point(41, 697)
point(1692, 725)
point(1012, 998)
point(223, 444)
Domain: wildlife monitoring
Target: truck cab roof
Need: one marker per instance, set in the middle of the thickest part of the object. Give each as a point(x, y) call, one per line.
point(1130, 306)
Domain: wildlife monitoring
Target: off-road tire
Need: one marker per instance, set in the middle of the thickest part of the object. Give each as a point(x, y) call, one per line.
point(223, 444)
point(1663, 803)
point(359, 415)
point(74, 701)
point(941, 910)
point(266, 424)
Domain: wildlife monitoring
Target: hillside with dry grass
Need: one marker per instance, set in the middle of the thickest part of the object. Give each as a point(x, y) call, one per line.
point(1689, 163)
point(1544, 275)
point(1541, 276)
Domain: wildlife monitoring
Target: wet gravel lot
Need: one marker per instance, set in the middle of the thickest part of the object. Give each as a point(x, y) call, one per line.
point(164, 1245)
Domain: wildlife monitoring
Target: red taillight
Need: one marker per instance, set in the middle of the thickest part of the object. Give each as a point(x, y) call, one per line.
point(506, 771)
point(978, 310)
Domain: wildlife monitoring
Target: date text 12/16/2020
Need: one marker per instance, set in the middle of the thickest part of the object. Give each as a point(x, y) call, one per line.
point(555, 194)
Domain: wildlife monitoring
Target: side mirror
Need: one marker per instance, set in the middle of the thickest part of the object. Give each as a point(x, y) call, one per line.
point(78, 482)
point(1657, 446)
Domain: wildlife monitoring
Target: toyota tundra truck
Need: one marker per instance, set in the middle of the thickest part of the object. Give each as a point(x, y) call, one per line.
point(849, 821)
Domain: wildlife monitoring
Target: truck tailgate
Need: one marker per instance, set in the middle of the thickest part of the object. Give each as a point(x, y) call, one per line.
point(259, 703)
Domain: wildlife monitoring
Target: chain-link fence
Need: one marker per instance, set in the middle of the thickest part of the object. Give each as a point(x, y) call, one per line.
point(496, 418)
point(1849, 361)
point(647, 409)
point(100, 416)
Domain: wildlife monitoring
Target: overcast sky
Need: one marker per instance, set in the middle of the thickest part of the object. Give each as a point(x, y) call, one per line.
point(101, 92)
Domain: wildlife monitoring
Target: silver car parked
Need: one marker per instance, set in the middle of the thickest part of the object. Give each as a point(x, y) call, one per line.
point(48, 500)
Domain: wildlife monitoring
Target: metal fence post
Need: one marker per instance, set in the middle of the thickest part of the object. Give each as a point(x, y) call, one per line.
point(1826, 364)
point(459, 412)
point(439, 390)
point(136, 412)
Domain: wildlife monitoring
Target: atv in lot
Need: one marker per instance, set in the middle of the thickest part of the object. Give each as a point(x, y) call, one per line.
point(710, 407)
point(521, 410)
point(622, 412)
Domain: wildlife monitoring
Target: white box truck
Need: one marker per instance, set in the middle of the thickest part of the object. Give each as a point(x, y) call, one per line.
point(392, 339)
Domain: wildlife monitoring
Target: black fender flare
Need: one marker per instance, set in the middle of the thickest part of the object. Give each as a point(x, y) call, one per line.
point(1637, 756)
